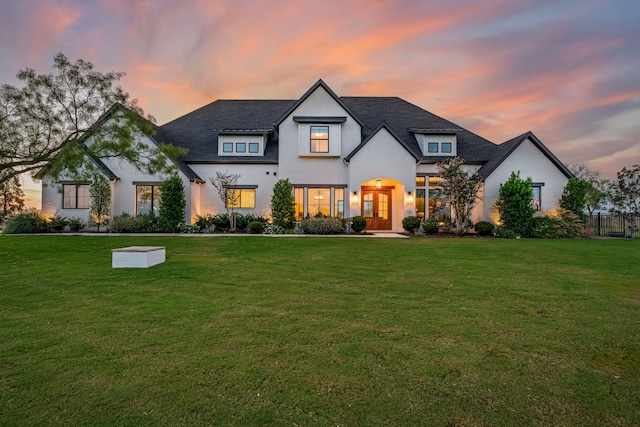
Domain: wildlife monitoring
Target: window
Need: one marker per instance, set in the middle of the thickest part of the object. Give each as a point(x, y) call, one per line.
point(75, 196)
point(319, 139)
point(420, 181)
point(227, 147)
point(298, 197)
point(537, 200)
point(446, 147)
point(241, 147)
point(254, 147)
point(338, 210)
point(147, 199)
point(439, 207)
point(319, 201)
point(432, 147)
point(243, 198)
point(420, 203)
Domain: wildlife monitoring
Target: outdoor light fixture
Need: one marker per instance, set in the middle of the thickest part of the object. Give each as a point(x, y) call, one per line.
point(409, 198)
point(378, 183)
point(354, 198)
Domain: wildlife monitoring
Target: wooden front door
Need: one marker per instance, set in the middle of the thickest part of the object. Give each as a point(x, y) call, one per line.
point(376, 208)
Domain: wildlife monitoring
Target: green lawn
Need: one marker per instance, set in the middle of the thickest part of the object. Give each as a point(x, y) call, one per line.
point(320, 331)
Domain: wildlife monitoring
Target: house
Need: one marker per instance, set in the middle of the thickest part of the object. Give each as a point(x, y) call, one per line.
point(345, 156)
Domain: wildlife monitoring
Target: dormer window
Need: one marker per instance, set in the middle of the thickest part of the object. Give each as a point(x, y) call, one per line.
point(436, 142)
point(241, 145)
point(319, 139)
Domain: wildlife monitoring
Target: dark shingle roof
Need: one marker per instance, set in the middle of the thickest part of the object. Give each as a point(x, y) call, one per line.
point(403, 118)
point(502, 151)
point(198, 131)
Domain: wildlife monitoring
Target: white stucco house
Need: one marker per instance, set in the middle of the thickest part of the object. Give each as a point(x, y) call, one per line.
point(345, 156)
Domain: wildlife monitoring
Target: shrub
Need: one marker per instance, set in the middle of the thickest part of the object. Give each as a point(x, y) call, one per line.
point(243, 221)
point(321, 226)
point(430, 225)
point(76, 224)
point(57, 223)
point(172, 205)
point(255, 227)
point(506, 233)
point(411, 223)
point(358, 224)
point(484, 228)
point(188, 229)
point(574, 196)
point(205, 223)
point(567, 224)
point(221, 221)
point(126, 223)
point(149, 222)
point(273, 229)
point(31, 221)
point(543, 227)
point(514, 204)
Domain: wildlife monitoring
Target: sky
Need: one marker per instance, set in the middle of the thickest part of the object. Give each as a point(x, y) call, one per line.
point(568, 70)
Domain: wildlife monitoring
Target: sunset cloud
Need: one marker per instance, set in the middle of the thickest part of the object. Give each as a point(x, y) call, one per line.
point(566, 70)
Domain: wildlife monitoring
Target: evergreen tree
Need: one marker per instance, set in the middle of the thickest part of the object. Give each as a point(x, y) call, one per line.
point(515, 205)
point(172, 204)
point(283, 204)
point(100, 193)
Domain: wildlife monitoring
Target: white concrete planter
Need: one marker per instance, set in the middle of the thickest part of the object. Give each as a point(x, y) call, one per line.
point(137, 256)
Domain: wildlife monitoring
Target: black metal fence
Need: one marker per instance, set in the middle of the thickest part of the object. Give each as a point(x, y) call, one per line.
point(609, 225)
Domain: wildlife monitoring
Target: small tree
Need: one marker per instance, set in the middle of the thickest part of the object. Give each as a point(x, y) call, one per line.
point(625, 196)
point(515, 206)
point(461, 188)
point(597, 190)
point(100, 193)
point(172, 204)
point(574, 196)
point(283, 204)
point(224, 184)
point(11, 197)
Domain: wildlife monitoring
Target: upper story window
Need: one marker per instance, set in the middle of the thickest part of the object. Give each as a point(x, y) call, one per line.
point(75, 196)
point(319, 139)
point(437, 142)
point(241, 145)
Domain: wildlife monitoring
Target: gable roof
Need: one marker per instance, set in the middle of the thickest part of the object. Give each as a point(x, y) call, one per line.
point(374, 133)
point(504, 150)
point(198, 131)
point(308, 93)
point(406, 119)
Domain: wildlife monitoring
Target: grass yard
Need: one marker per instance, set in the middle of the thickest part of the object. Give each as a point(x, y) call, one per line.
point(320, 331)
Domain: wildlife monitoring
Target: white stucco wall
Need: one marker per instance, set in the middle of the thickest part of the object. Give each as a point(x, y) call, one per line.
point(531, 162)
point(321, 169)
point(384, 158)
point(264, 176)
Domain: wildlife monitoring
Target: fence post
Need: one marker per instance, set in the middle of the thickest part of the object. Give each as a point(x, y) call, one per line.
point(599, 224)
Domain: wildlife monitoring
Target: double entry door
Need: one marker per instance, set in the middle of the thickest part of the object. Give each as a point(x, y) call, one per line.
point(376, 208)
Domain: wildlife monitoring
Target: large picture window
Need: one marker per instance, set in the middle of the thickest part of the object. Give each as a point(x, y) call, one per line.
point(319, 201)
point(319, 139)
point(243, 198)
point(147, 199)
point(75, 196)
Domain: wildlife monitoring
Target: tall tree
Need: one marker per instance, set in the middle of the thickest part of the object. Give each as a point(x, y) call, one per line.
point(11, 197)
point(100, 193)
point(625, 196)
point(172, 204)
point(283, 208)
point(597, 190)
point(224, 183)
point(461, 189)
point(574, 196)
point(60, 121)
